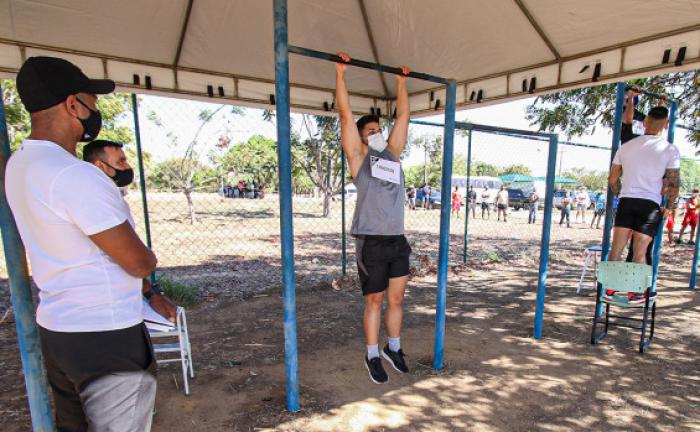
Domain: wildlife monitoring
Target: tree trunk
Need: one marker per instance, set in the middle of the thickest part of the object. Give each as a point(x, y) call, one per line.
point(190, 205)
point(327, 195)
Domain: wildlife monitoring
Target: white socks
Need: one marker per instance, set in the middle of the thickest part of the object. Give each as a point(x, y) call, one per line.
point(395, 344)
point(372, 351)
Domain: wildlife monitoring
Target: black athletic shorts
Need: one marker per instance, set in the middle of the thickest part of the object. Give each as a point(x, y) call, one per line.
point(485, 206)
point(640, 215)
point(380, 258)
point(502, 206)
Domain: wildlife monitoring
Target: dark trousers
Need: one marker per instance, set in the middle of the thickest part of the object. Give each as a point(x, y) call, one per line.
point(532, 215)
point(565, 214)
point(103, 379)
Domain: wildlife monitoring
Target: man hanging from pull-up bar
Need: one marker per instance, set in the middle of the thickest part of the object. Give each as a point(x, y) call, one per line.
point(378, 223)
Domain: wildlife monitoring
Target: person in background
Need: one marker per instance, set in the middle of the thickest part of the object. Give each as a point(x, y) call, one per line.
point(486, 203)
point(471, 198)
point(670, 225)
point(581, 204)
point(532, 202)
point(692, 210)
point(456, 202)
point(566, 209)
point(426, 196)
point(430, 198)
point(502, 203)
point(599, 209)
point(411, 196)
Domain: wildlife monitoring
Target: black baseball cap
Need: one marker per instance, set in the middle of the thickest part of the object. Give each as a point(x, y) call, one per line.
point(43, 82)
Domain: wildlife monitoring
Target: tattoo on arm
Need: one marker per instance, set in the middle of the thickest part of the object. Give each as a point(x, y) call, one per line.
point(673, 185)
point(616, 186)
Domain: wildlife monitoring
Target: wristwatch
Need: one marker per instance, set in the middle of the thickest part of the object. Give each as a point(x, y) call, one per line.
point(155, 289)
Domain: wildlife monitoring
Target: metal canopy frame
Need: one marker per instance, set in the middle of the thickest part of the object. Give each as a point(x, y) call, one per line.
point(282, 51)
point(553, 140)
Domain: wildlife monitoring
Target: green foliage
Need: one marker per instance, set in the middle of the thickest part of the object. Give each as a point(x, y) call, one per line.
point(18, 121)
point(181, 294)
point(516, 169)
point(255, 159)
point(593, 180)
point(167, 175)
point(690, 175)
point(485, 169)
point(577, 112)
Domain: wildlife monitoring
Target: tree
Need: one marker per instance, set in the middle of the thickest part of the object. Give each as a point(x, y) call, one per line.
point(254, 159)
point(485, 169)
point(184, 173)
point(690, 174)
point(319, 155)
point(593, 180)
point(515, 169)
point(415, 175)
point(431, 146)
point(577, 112)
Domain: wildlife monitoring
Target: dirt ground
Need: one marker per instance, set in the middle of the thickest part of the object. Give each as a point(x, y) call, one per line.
point(496, 377)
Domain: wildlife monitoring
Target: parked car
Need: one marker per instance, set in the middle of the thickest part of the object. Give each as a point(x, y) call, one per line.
point(517, 198)
point(435, 198)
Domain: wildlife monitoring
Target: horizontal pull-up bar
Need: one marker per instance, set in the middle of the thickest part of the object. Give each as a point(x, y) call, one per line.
point(363, 64)
point(640, 90)
point(485, 128)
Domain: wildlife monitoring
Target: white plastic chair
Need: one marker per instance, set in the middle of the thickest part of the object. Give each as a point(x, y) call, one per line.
point(591, 260)
point(182, 346)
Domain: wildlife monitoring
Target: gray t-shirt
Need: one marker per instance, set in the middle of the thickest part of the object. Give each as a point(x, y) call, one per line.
point(380, 203)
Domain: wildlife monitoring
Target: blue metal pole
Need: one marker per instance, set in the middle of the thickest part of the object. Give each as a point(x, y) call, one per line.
point(469, 174)
point(142, 175)
point(546, 230)
point(342, 203)
point(694, 270)
point(444, 250)
point(609, 211)
point(285, 196)
point(22, 303)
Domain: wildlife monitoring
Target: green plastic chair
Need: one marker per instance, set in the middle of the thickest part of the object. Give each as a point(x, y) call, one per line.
point(624, 277)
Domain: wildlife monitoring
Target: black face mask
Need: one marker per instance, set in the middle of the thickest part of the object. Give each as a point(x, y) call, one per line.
point(91, 125)
point(121, 177)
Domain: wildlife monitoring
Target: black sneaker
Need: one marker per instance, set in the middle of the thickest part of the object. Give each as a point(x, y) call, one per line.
point(395, 359)
point(376, 371)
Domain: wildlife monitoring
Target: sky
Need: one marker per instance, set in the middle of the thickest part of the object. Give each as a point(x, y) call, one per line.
point(180, 118)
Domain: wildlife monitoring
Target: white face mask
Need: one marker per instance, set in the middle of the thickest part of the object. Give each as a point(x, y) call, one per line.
point(377, 142)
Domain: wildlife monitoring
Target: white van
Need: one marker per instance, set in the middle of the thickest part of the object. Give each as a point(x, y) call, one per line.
point(493, 183)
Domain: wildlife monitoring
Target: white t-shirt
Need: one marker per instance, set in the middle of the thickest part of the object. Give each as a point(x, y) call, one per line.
point(503, 197)
point(58, 201)
point(644, 161)
point(486, 196)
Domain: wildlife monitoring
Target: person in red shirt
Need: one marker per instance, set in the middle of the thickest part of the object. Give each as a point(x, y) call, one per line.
point(670, 223)
point(692, 210)
point(456, 202)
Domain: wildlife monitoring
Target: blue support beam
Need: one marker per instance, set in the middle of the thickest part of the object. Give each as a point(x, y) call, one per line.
point(285, 193)
point(444, 243)
point(22, 303)
point(546, 230)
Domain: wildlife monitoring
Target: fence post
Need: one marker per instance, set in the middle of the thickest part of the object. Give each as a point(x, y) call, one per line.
point(142, 175)
point(546, 230)
point(469, 174)
point(342, 203)
point(22, 303)
point(444, 250)
point(285, 197)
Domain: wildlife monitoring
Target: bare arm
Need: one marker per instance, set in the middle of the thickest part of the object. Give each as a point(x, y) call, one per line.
point(399, 132)
point(350, 138)
point(124, 246)
point(673, 186)
point(614, 179)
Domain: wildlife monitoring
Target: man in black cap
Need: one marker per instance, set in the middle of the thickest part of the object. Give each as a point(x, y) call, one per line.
point(86, 258)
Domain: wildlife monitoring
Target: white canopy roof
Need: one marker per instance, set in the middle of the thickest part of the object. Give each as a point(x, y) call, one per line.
point(497, 46)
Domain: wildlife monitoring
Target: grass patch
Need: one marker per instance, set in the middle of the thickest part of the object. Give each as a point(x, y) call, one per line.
point(493, 256)
point(183, 295)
